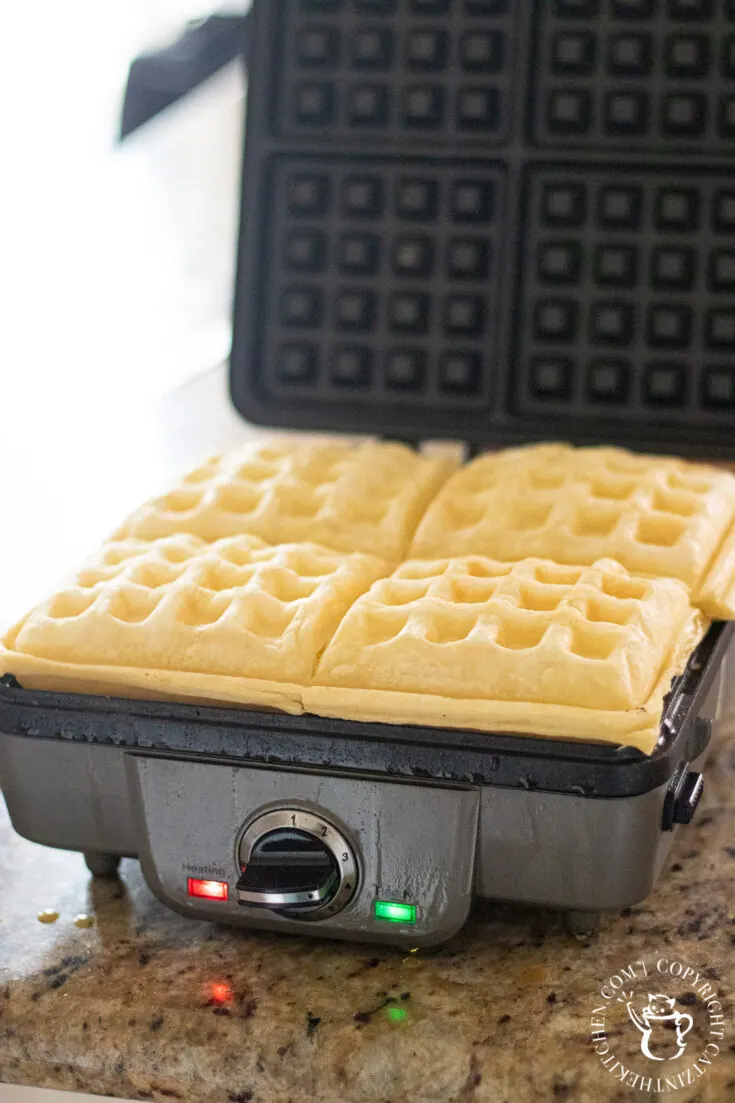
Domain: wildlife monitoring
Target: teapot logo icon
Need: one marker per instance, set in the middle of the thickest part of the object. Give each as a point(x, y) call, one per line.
point(666, 1033)
point(661, 1026)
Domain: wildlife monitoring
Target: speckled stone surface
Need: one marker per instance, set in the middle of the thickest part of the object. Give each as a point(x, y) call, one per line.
point(148, 1005)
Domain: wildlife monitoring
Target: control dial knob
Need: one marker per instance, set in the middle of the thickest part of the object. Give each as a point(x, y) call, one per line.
point(295, 863)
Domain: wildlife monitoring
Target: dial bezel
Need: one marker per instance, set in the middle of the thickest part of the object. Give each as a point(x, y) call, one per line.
point(320, 828)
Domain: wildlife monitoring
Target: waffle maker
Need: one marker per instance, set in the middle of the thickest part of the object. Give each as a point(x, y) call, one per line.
point(462, 219)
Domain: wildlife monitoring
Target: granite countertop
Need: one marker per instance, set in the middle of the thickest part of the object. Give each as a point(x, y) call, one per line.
point(147, 1005)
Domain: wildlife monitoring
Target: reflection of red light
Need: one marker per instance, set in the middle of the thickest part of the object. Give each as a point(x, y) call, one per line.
point(220, 992)
point(208, 890)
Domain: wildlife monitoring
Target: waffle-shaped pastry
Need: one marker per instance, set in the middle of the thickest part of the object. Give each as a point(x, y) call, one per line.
point(235, 621)
point(658, 516)
point(572, 652)
point(366, 498)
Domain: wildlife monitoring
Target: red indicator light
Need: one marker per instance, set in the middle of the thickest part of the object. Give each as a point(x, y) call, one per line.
point(208, 890)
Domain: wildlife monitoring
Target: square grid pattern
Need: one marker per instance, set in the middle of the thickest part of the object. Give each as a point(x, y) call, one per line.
point(499, 627)
point(628, 291)
point(366, 498)
point(515, 606)
point(428, 70)
point(655, 74)
point(200, 583)
point(383, 281)
point(235, 608)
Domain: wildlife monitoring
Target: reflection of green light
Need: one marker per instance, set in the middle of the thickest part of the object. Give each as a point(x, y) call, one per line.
point(396, 1014)
point(395, 913)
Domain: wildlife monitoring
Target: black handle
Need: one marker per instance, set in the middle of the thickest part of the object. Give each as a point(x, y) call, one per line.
point(160, 78)
point(685, 793)
point(691, 793)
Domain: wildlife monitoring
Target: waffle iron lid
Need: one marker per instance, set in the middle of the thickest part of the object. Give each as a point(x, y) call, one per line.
point(459, 222)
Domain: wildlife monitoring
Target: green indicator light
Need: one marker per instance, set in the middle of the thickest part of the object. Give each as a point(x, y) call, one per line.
point(396, 1014)
point(395, 913)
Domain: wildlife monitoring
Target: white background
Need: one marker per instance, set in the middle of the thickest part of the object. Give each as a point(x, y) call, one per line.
point(115, 273)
